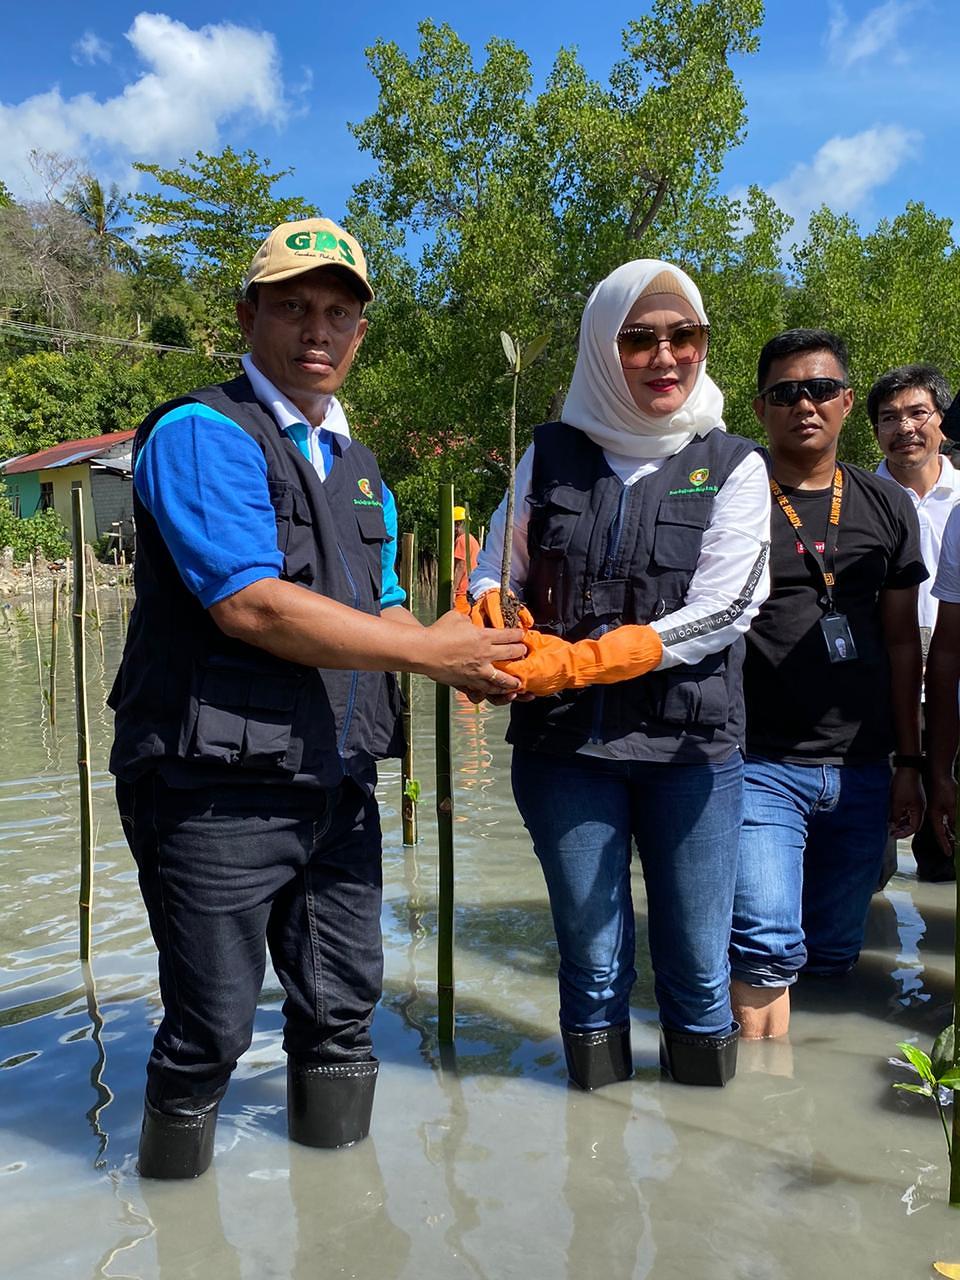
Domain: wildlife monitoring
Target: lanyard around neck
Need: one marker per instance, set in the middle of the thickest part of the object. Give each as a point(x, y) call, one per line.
point(825, 560)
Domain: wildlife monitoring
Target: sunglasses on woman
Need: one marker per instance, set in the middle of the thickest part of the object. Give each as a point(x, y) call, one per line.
point(639, 344)
point(817, 390)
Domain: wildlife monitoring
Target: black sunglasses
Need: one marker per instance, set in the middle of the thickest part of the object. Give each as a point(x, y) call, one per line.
point(819, 390)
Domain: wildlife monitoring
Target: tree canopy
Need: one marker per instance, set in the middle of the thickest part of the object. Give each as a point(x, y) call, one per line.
point(207, 221)
point(496, 203)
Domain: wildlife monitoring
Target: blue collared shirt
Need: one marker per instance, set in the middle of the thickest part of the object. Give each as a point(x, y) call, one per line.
point(204, 481)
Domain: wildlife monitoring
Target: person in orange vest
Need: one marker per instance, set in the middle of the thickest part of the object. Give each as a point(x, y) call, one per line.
point(461, 568)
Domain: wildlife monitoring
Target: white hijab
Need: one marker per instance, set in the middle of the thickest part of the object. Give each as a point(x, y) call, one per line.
point(599, 402)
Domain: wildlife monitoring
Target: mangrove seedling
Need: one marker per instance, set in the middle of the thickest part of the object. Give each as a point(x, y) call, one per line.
point(936, 1071)
point(519, 360)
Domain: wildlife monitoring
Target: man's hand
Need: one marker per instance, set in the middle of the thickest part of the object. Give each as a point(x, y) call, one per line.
point(906, 803)
point(453, 651)
point(943, 812)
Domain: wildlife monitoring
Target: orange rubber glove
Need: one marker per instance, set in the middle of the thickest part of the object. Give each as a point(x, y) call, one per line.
point(487, 613)
point(553, 664)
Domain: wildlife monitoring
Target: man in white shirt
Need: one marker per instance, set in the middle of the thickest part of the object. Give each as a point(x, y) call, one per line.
point(906, 407)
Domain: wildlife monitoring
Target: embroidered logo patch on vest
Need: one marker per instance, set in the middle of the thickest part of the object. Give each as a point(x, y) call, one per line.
point(368, 499)
point(700, 476)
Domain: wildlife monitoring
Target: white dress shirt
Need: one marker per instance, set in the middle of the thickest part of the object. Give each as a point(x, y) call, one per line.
point(933, 511)
point(286, 412)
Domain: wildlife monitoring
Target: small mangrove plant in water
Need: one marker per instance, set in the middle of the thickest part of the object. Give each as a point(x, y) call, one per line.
point(519, 359)
point(938, 1074)
point(939, 1071)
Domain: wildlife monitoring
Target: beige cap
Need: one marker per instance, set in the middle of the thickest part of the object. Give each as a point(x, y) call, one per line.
point(295, 247)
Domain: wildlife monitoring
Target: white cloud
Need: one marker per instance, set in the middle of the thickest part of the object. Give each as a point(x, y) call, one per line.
point(194, 81)
point(844, 173)
point(876, 31)
point(89, 49)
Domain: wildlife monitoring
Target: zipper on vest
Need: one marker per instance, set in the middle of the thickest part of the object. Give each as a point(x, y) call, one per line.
point(613, 550)
point(354, 676)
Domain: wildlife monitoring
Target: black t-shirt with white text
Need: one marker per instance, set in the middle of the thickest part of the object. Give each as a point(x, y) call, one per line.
point(801, 706)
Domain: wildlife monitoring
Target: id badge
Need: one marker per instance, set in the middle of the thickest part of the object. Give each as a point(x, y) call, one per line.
point(836, 632)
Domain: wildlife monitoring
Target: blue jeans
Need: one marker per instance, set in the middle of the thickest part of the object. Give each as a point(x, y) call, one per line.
point(583, 814)
point(226, 871)
point(811, 848)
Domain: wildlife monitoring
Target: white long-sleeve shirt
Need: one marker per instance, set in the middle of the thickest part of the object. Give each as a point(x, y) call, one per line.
point(732, 577)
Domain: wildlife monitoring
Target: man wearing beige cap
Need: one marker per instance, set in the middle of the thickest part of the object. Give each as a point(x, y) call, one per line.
point(253, 700)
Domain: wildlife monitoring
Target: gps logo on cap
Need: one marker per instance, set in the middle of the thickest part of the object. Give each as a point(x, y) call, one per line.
point(320, 242)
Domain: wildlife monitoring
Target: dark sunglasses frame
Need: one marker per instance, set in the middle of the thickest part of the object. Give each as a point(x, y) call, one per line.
point(789, 392)
point(653, 344)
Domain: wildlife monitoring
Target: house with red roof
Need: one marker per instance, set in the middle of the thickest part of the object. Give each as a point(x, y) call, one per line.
point(38, 481)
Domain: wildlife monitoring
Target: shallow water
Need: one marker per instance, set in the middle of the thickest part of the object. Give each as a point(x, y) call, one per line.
point(482, 1163)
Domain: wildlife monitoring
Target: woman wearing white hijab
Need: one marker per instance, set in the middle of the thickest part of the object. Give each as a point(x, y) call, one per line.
point(640, 521)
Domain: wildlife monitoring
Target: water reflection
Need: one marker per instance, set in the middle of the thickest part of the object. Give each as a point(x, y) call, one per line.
point(104, 1095)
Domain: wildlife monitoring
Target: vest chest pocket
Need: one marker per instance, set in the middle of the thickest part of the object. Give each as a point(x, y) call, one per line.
point(679, 531)
point(373, 534)
point(552, 520)
point(290, 507)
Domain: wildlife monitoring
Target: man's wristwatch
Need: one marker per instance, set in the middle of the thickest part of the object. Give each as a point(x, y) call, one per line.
point(907, 762)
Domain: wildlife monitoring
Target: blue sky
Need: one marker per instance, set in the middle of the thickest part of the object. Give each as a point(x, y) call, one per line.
point(855, 104)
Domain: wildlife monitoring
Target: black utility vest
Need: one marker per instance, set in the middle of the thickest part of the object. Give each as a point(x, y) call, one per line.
point(203, 706)
point(602, 554)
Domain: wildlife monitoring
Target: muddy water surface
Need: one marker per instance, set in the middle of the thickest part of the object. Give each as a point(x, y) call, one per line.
point(482, 1162)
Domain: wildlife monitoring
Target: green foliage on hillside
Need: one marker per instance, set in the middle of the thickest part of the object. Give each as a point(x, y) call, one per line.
point(44, 530)
point(494, 206)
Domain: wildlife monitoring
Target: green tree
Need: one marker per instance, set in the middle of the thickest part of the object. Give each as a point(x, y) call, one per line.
point(519, 203)
point(745, 293)
point(100, 211)
point(893, 294)
point(6, 199)
point(44, 530)
point(49, 397)
point(208, 220)
point(169, 330)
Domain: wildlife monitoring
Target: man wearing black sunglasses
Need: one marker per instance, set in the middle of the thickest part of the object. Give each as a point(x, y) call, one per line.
point(832, 687)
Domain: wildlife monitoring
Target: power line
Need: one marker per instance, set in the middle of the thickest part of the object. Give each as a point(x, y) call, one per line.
point(47, 333)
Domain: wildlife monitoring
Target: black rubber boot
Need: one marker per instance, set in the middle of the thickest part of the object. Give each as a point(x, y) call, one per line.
point(596, 1058)
point(329, 1103)
point(693, 1059)
point(176, 1146)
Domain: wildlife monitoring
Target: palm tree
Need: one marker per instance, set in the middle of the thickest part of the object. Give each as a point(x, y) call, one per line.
point(100, 210)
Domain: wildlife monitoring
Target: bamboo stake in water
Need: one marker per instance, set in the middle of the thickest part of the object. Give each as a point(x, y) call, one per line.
point(54, 633)
point(36, 622)
point(92, 563)
point(126, 583)
point(409, 787)
point(445, 982)
point(83, 732)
